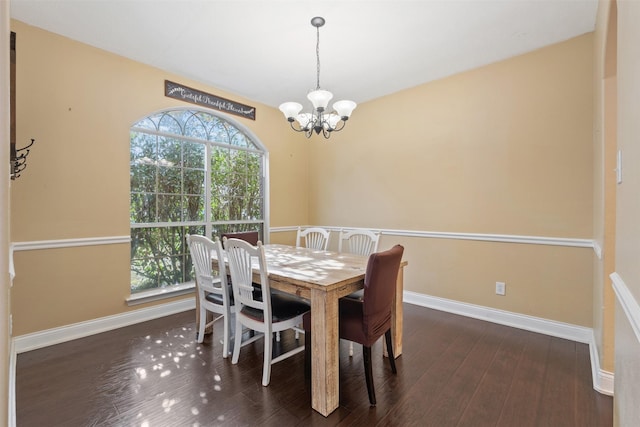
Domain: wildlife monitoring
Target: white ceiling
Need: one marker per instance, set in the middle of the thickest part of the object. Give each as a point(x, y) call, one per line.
point(265, 50)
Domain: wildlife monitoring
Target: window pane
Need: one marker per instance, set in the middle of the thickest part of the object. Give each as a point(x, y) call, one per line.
point(193, 181)
point(169, 208)
point(169, 177)
point(169, 124)
point(143, 178)
point(193, 155)
point(195, 128)
point(193, 208)
point(143, 208)
point(218, 132)
point(169, 152)
point(147, 123)
point(143, 148)
point(239, 139)
point(169, 180)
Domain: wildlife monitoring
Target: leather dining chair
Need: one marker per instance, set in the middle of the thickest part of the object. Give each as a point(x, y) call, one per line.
point(359, 242)
point(273, 312)
point(248, 236)
point(365, 320)
point(214, 292)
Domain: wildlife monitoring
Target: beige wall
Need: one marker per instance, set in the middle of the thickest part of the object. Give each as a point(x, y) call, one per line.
point(604, 137)
point(627, 362)
point(503, 149)
point(78, 102)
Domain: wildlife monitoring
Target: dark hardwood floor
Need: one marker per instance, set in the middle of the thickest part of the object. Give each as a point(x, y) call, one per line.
point(455, 371)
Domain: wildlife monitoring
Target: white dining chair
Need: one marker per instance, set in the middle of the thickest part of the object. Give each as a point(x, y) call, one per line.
point(273, 312)
point(214, 293)
point(360, 242)
point(314, 238)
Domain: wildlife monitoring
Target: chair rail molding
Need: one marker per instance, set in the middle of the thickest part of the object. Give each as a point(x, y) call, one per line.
point(69, 243)
point(628, 303)
point(505, 238)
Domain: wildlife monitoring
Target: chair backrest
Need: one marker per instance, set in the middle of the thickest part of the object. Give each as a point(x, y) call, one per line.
point(201, 249)
point(248, 236)
point(239, 255)
point(314, 238)
point(379, 287)
point(360, 242)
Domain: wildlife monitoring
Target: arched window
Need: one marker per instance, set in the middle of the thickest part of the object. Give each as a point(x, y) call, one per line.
point(192, 172)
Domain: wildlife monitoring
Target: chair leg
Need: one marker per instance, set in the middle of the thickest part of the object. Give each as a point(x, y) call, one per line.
point(225, 336)
point(202, 325)
point(392, 359)
point(368, 374)
point(307, 355)
point(237, 341)
point(266, 368)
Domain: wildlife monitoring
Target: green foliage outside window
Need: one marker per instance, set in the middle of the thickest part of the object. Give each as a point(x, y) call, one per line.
point(169, 178)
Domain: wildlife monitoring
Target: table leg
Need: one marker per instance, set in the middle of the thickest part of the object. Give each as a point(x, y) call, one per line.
point(325, 392)
point(396, 317)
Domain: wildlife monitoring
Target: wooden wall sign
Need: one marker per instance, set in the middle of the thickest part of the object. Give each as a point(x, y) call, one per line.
point(194, 96)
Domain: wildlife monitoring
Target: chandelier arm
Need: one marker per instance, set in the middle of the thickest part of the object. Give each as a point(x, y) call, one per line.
point(338, 129)
point(291, 122)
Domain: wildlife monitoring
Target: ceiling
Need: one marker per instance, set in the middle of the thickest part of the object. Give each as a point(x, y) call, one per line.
point(265, 50)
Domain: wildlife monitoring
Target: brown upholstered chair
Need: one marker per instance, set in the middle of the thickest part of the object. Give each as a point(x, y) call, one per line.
point(364, 321)
point(250, 237)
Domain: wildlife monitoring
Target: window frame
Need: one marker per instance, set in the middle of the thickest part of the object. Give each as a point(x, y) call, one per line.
point(258, 148)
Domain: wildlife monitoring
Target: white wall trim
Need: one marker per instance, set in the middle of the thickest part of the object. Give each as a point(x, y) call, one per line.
point(508, 318)
point(597, 249)
point(505, 238)
point(83, 329)
point(628, 302)
point(13, 356)
point(69, 243)
point(602, 380)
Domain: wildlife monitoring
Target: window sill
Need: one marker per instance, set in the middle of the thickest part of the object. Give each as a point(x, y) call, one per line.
point(160, 294)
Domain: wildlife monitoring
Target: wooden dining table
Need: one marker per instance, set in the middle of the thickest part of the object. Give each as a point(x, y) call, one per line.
point(323, 277)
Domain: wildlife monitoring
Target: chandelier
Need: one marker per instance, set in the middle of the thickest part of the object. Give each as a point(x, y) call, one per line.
point(318, 120)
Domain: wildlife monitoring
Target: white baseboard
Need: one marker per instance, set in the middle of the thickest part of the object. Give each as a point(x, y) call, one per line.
point(602, 380)
point(11, 422)
point(53, 336)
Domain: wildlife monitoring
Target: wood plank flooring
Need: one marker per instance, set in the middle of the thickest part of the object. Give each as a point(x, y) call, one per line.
point(455, 371)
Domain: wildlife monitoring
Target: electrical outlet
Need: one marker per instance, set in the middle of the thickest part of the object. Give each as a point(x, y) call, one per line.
point(501, 288)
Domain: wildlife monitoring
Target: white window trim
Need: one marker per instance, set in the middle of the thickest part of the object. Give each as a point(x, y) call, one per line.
point(158, 294)
point(186, 288)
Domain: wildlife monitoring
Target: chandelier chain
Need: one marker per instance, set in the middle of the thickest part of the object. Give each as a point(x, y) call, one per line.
point(317, 58)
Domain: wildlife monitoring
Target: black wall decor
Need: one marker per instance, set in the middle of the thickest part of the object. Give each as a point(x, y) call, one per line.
point(194, 96)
